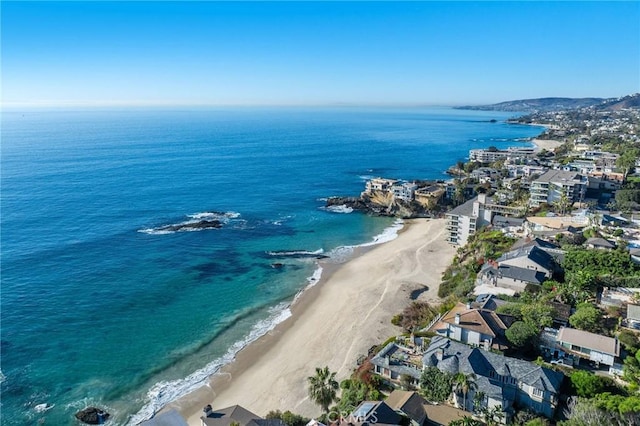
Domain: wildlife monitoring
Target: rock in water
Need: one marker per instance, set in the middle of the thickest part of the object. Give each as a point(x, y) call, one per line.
point(192, 226)
point(92, 416)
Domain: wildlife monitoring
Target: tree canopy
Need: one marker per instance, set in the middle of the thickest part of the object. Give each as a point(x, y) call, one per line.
point(587, 317)
point(587, 384)
point(435, 385)
point(520, 334)
point(323, 387)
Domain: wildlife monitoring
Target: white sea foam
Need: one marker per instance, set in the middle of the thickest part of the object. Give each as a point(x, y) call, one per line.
point(152, 231)
point(389, 234)
point(163, 393)
point(214, 215)
point(296, 253)
point(41, 408)
point(223, 217)
point(343, 253)
point(343, 208)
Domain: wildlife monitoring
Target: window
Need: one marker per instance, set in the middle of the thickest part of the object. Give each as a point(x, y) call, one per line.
point(537, 392)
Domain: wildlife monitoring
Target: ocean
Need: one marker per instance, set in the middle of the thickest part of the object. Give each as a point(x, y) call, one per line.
point(101, 305)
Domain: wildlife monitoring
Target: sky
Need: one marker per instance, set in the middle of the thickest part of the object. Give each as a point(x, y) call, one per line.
point(315, 53)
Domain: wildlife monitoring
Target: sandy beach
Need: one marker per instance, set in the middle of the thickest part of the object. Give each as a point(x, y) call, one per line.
point(332, 324)
point(547, 144)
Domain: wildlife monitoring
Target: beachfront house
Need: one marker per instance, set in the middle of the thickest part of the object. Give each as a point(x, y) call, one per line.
point(429, 195)
point(475, 327)
point(378, 184)
point(507, 279)
point(530, 258)
point(404, 190)
point(505, 382)
point(395, 361)
point(524, 268)
point(235, 415)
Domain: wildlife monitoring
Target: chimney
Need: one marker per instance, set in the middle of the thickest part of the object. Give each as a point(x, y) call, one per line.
point(468, 305)
point(482, 198)
point(439, 354)
point(457, 319)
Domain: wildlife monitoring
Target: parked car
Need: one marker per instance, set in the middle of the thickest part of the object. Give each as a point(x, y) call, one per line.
point(563, 362)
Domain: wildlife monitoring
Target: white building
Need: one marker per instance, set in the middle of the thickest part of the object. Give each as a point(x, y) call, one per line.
point(549, 187)
point(464, 220)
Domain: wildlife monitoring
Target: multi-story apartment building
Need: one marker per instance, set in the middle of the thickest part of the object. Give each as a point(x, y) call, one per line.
point(550, 187)
point(492, 155)
point(467, 218)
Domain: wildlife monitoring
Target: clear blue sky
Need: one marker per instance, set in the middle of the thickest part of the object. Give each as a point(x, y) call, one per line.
point(234, 53)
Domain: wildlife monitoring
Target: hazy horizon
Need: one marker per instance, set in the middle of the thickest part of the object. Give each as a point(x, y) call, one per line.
point(301, 54)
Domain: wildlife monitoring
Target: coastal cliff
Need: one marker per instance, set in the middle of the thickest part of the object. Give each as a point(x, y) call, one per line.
point(381, 204)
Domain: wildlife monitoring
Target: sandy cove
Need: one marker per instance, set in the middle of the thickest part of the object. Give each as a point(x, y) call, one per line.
point(547, 144)
point(332, 324)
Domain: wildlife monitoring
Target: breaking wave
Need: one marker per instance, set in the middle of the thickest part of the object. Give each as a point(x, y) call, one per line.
point(196, 222)
point(162, 393)
point(343, 208)
point(298, 254)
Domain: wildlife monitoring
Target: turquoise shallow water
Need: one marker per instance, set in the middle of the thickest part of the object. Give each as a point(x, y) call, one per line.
point(97, 308)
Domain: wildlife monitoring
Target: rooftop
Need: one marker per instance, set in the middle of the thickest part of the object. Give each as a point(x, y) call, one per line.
point(633, 312)
point(559, 176)
point(584, 339)
point(458, 357)
point(532, 253)
point(410, 403)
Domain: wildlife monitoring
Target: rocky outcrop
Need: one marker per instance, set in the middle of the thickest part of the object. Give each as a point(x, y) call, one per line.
point(381, 205)
point(92, 416)
point(192, 226)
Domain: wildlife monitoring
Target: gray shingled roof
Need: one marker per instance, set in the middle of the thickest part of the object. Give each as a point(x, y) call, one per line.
point(465, 209)
point(559, 176)
point(240, 415)
point(481, 363)
point(522, 274)
point(502, 221)
point(534, 254)
point(375, 412)
point(600, 242)
point(536, 242)
point(514, 272)
point(387, 351)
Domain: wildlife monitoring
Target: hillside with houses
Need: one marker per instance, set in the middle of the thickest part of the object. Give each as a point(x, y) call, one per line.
point(539, 320)
point(542, 303)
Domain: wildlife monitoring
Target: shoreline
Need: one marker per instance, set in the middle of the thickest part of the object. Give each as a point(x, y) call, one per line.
point(332, 322)
point(548, 144)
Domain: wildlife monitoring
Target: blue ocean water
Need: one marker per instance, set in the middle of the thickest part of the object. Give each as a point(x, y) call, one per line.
point(99, 309)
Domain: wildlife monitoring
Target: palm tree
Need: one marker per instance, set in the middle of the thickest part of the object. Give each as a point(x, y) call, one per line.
point(465, 421)
point(478, 400)
point(464, 383)
point(492, 416)
point(323, 387)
